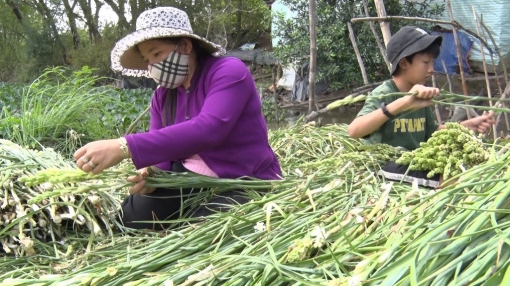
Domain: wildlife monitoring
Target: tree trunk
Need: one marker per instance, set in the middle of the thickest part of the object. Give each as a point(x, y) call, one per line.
point(89, 20)
point(72, 22)
point(134, 12)
point(385, 25)
point(142, 6)
point(313, 55)
point(98, 5)
point(15, 10)
point(358, 54)
point(239, 22)
point(120, 11)
point(46, 14)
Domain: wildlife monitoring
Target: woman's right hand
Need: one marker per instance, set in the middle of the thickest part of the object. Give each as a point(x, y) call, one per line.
point(139, 180)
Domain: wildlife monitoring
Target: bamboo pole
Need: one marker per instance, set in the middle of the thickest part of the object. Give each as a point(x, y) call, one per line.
point(382, 48)
point(313, 56)
point(496, 47)
point(385, 25)
point(505, 73)
point(494, 127)
point(450, 86)
point(459, 54)
point(503, 96)
point(418, 19)
point(436, 106)
point(358, 54)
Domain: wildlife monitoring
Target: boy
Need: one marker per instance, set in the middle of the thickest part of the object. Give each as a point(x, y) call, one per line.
point(406, 121)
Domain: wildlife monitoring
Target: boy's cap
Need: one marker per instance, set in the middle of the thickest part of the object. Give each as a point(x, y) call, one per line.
point(407, 41)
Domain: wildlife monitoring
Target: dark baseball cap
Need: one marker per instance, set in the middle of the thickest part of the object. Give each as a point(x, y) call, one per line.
point(407, 41)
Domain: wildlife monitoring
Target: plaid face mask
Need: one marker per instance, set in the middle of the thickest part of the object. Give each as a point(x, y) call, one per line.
point(171, 72)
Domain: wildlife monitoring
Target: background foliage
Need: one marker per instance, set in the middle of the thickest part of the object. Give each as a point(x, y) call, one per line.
point(37, 34)
point(64, 109)
point(55, 60)
point(336, 60)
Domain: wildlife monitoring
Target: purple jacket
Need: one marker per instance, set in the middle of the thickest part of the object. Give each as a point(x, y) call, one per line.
point(225, 127)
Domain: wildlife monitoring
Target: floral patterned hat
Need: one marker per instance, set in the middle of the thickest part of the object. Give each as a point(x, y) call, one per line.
point(161, 22)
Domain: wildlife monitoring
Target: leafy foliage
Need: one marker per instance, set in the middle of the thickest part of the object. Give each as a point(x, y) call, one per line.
point(39, 34)
point(336, 59)
point(269, 111)
point(63, 108)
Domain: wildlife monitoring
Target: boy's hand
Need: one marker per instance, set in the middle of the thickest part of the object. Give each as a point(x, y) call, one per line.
point(481, 123)
point(422, 98)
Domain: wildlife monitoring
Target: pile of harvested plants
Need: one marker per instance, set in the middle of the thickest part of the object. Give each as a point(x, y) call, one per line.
point(330, 221)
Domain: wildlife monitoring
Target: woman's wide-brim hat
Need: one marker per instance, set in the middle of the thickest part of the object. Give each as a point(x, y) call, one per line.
point(161, 22)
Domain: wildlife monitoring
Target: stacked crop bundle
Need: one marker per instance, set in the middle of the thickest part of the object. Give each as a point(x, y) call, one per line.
point(305, 149)
point(32, 214)
point(449, 152)
point(341, 227)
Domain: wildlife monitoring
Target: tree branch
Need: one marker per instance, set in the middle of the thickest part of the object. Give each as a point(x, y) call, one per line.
point(418, 19)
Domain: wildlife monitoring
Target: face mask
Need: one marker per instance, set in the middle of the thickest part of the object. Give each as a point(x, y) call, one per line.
point(171, 72)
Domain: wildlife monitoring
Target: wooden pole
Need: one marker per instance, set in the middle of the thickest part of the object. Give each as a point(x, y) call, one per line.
point(505, 72)
point(498, 118)
point(459, 54)
point(382, 49)
point(436, 106)
point(358, 54)
point(385, 25)
point(418, 19)
point(313, 56)
point(450, 87)
point(487, 83)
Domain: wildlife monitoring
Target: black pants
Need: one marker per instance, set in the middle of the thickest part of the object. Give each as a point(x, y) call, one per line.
point(395, 172)
point(170, 204)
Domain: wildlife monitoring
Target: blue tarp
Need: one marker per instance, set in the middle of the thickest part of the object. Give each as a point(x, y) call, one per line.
point(449, 52)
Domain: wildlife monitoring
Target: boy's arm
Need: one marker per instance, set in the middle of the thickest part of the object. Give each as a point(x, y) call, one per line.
point(370, 122)
point(479, 124)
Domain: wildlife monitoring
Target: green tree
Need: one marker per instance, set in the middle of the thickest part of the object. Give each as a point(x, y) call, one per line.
point(336, 60)
point(37, 34)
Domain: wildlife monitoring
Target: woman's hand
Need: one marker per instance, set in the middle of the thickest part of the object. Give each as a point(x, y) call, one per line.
point(99, 155)
point(139, 187)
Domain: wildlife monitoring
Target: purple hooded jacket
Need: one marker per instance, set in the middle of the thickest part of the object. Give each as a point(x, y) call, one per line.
point(225, 128)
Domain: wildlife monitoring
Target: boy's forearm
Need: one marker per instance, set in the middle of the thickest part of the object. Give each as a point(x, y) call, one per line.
point(369, 123)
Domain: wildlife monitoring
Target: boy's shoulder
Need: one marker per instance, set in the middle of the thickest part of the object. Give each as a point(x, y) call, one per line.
point(388, 86)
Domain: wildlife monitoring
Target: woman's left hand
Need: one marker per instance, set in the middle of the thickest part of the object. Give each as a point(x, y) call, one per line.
point(99, 155)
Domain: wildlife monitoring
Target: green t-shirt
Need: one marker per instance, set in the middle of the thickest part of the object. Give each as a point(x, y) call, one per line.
point(407, 129)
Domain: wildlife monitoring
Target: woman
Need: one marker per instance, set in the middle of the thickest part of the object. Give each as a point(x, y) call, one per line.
point(206, 117)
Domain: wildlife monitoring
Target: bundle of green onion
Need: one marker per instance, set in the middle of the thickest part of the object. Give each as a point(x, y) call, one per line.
point(342, 226)
point(33, 214)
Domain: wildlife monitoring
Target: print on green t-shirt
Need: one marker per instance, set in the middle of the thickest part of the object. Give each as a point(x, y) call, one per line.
point(408, 129)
